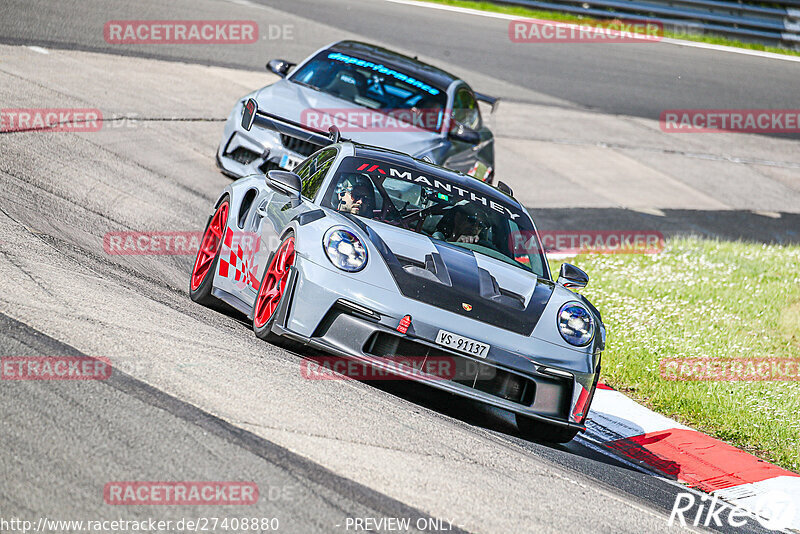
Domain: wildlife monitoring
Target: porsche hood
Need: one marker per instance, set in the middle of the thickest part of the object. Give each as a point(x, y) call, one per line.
point(455, 279)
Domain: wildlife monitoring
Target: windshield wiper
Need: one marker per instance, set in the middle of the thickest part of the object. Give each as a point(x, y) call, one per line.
point(304, 84)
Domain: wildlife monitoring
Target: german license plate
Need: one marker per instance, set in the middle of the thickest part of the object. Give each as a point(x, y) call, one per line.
point(462, 344)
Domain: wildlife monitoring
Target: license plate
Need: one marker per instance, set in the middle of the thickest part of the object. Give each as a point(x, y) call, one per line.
point(290, 162)
point(462, 344)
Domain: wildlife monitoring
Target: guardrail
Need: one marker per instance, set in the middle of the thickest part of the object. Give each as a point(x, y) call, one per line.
point(776, 23)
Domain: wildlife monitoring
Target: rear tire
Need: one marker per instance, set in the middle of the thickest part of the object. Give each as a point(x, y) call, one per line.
point(534, 430)
point(205, 263)
point(272, 288)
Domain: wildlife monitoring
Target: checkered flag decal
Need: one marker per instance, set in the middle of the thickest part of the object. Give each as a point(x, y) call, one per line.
point(239, 261)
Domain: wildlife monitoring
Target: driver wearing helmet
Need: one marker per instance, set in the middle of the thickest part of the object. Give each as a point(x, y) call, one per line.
point(357, 196)
point(463, 224)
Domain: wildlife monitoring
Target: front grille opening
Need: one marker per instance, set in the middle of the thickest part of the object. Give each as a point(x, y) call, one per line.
point(326, 322)
point(508, 386)
point(242, 155)
point(465, 371)
point(304, 148)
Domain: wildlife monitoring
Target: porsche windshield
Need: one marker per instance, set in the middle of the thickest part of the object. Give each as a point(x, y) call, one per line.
point(375, 86)
point(438, 208)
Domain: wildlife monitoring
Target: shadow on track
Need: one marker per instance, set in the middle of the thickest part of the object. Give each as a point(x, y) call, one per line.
point(775, 228)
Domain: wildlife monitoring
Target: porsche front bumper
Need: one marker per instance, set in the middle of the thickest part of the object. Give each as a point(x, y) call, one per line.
point(345, 320)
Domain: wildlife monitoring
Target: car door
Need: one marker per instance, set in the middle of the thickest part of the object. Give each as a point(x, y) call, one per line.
point(274, 211)
point(473, 158)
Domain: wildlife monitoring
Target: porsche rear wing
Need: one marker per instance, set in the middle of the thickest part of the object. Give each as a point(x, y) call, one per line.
point(252, 115)
point(491, 100)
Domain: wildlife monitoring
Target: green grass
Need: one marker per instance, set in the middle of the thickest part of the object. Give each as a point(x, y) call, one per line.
point(566, 17)
point(705, 299)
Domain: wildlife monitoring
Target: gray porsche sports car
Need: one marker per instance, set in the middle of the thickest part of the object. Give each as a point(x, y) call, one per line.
point(376, 257)
point(374, 96)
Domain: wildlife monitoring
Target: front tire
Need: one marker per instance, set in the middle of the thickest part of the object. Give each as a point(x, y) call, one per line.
point(205, 263)
point(534, 430)
point(272, 288)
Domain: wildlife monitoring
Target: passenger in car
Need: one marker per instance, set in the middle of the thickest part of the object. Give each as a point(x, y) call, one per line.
point(462, 223)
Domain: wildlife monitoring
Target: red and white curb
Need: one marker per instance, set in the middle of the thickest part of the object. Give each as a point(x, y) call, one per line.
point(690, 457)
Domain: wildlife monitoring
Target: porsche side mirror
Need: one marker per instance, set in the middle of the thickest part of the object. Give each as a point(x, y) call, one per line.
point(285, 182)
point(464, 134)
point(279, 67)
point(571, 277)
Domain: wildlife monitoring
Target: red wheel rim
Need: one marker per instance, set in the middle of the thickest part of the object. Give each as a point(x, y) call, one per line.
point(212, 241)
point(274, 282)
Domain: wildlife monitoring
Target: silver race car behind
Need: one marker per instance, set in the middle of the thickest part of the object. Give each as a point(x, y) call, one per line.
point(374, 96)
point(376, 257)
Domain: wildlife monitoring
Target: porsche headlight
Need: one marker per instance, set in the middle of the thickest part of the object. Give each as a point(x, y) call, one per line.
point(575, 324)
point(344, 249)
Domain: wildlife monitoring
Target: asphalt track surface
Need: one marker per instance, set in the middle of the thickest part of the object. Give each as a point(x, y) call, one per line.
point(639, 80)
point(568, 110)
point(194, 395)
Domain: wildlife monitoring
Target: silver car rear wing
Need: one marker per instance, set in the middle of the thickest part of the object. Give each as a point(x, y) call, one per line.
point(491, 100)
point(252, 115)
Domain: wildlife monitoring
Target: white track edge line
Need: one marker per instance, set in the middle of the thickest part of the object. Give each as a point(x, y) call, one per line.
point(677, 42)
